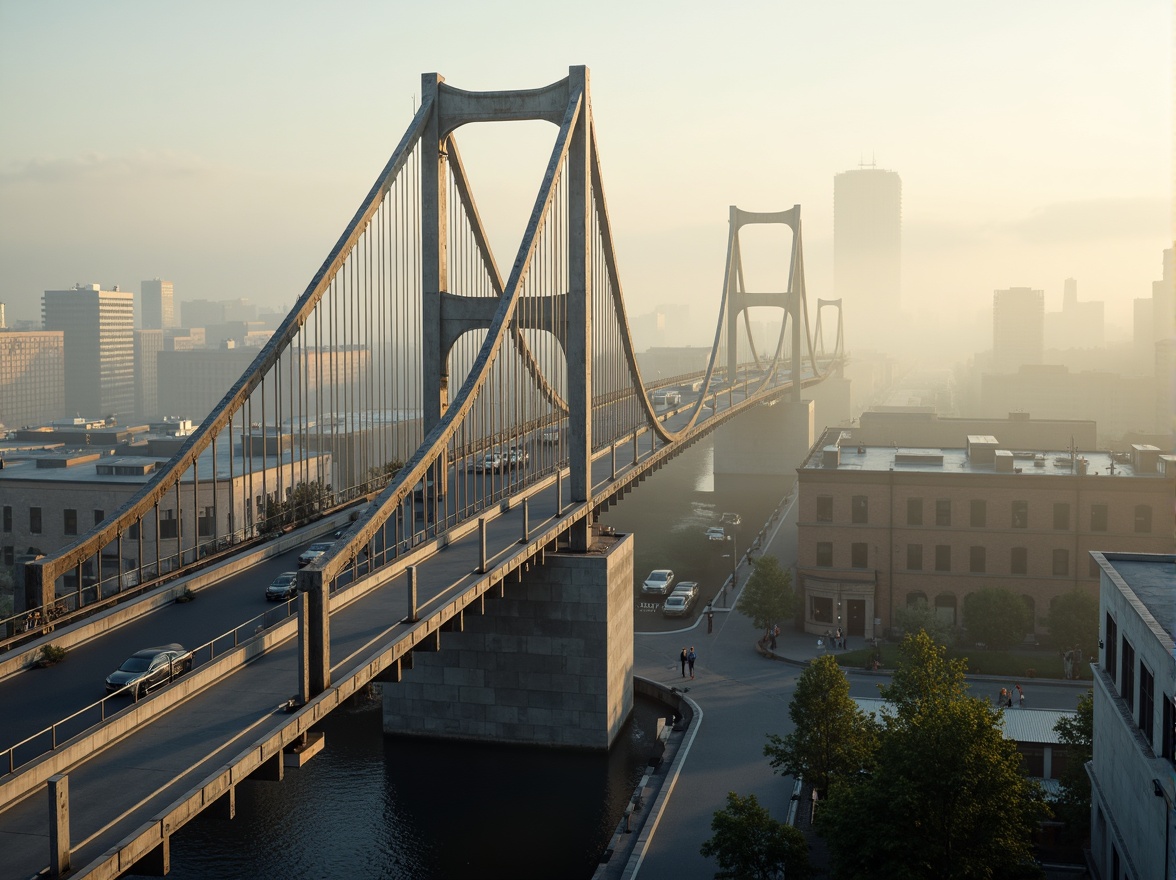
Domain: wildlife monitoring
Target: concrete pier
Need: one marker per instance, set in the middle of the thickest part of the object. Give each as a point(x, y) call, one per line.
point(549, 663)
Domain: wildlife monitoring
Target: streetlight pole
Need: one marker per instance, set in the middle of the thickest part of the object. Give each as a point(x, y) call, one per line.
point(734, 562)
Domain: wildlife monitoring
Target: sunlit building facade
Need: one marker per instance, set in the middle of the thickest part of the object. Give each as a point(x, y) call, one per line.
point(99, 328)
point(32, 377)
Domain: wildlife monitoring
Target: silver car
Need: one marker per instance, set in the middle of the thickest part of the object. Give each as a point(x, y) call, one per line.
point(659, 582)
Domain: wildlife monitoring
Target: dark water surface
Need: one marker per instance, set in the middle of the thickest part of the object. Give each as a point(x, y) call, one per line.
point(376, 806)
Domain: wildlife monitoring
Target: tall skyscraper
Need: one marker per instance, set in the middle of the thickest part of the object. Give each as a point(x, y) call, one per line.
point(148, 345)
point(1018, 328)
point(99, 328)
point(867, 251)
point(157, 305)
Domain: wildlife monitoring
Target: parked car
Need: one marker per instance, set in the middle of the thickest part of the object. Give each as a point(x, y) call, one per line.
point(730, 519)
point(313, 552)
point(516, 456)
point(659, 582)
point(149, 669)
point(716, 533)
point(551, 436)
point(679, 602)
point(284, 586)
point(490, 462)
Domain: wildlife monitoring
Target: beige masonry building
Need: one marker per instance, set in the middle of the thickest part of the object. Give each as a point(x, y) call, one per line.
point(880, 527)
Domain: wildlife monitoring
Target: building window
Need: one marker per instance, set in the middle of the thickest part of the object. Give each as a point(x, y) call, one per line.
point(979, 514)
point(915, 557)
point(1098, 517)
point(821, 609)
point(1061, 515)
point(860, 509)
point(168, 524)
point(825, 554)
point(942, 557)
point(824, 508)
point(35, 520)
point(1143, 519)
point(943, 512)
point(945, 608)
point(1020, 514)
point(1019, 560)
point(1111, 642)
point(1127, 674)
point(1061, 563)
point(1147, 702)
point(859, 555)
point(7, 518)
point(71, 521)
point(133, 531)
point(1168, 734)
point(9, 554)
point(99, 515)
point(914, 511)
point(976, 560)
point(206, 524)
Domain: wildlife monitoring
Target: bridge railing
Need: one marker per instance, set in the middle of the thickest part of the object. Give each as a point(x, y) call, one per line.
point(99, 712)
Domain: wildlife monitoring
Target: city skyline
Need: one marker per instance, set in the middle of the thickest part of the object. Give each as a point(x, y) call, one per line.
point(1022, 163)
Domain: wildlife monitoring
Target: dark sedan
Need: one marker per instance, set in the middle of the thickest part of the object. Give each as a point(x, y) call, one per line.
point(149, 669)
point(285, 586)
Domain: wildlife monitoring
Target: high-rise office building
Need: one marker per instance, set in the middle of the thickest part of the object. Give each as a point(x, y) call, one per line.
point(32, 377)
point(1018, 328)
point(99, 328)
point(867, 251)
point(157, 305)
point(148, 345)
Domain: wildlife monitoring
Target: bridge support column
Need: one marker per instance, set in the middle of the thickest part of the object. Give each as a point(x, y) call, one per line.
point(314, 635)
point(768, 440)
point(58, 825)
point(550, 663)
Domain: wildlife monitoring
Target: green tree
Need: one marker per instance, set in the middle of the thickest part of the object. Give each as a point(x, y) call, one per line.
point(1073, 622)
point(831, 736)
point(380, 476)
point(750, 845)
point(768, 597)
point(1073, 805)
point(947, 798)
point(997, 617)
point(921, 617)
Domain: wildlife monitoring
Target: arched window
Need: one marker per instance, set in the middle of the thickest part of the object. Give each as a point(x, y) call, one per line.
point(945, 608)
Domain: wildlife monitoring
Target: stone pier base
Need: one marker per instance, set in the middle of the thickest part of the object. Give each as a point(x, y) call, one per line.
point(768, 440)
point(551, 663)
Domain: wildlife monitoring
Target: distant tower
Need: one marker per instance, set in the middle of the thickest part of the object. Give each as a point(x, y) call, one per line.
point(158, 308)
point(3, 322)
point(99, 328)
point(867, 250)
point(1018, 328)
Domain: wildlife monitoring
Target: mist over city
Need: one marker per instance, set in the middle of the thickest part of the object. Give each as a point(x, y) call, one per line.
point(639, 402)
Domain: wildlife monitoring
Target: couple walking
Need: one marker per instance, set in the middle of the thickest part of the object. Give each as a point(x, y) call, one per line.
point(687, 658)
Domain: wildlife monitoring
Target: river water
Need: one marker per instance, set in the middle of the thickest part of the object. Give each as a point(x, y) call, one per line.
point(376, 806)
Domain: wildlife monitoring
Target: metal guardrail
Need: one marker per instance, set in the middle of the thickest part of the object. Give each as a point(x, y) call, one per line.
point(96, 714)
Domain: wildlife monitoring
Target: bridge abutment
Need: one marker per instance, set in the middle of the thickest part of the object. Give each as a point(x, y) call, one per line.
point(766, 440)
point(550, 663)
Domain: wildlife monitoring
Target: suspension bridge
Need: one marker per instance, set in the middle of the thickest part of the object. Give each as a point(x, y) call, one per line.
point(465, 426)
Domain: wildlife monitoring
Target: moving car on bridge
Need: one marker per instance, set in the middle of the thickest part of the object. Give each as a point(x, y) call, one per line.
point(146, 670)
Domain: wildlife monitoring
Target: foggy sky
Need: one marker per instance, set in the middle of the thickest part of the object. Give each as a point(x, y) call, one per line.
point(224, 148)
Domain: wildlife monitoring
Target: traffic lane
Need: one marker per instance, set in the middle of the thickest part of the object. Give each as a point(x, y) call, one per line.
point(32, 701)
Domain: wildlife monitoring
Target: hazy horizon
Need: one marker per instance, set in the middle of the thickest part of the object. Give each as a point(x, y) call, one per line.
point(224, 148)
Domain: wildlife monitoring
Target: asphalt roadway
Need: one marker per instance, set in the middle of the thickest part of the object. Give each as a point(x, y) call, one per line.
point(744, 697)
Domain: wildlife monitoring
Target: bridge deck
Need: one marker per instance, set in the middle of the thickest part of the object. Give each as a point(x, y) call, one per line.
point(118, 790)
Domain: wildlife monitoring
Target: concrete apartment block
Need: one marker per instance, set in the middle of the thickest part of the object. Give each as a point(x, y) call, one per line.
point(550, 663)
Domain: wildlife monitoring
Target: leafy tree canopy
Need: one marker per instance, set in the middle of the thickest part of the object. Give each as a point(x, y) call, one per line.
point(997, 617)
point(947, 798)
point(921, 617)
point(1073, 622)
point(768, 597)
point(1073, 805)
point(750, 845)
point(831, 736)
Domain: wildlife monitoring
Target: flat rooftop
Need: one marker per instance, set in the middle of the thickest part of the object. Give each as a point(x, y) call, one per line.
point(130, 468)
point(1019, 725)
point(927, 459)
point(1152, 578)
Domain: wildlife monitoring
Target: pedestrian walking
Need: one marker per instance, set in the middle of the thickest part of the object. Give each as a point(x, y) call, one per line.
point(682, 659)
point(690, 658)
point(775, 634)
point(1020, 695)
